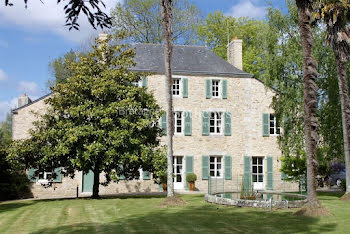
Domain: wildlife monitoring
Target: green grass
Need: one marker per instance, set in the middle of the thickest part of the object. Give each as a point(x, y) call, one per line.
point(142, 215)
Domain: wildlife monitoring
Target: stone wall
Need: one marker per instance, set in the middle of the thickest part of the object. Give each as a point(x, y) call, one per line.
point(247, 99)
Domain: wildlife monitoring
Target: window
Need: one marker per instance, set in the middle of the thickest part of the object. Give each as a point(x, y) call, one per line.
point(215, 88)
point(178, 122)
point(275, 129)
point(137, 83)
point(215, 166)
point(176, 86)
point(215, 123)
point(177, 168)
point(257, 169)
point(45, 175)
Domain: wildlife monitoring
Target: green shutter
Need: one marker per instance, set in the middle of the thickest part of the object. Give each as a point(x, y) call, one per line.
point(228, 195)
point(122, 176)
point(164, 124)
point(266, 125)
point(205, 123)
point(30, 174)
point(189, 168)
point(144, 81)
point(227, 130)
point(160, 187)
point(208, 89)
point(228, 167)
point(205, 167)
point(146, 175)
point(247, 178)
point(283, 176)
point(269, 184)
point(88, 181)
point(58, 174)
point(185, 87)
point(188, 123)
point(224, 89)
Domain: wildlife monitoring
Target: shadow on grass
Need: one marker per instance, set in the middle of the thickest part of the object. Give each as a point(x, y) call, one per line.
point(331, 195)
point(204, 218)
point(4, 207)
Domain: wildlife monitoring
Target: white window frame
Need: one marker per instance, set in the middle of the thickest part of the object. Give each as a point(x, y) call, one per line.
point(216, 123)
point(215, 163)
point(274, 127)
point(180, 87)
point(182, 123)
point(219, 88)
point(257, 169)
point(137, 83)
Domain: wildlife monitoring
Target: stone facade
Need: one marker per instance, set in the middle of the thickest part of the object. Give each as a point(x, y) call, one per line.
point(247, 100)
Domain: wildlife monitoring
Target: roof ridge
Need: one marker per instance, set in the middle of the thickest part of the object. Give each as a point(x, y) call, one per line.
point(142, 43)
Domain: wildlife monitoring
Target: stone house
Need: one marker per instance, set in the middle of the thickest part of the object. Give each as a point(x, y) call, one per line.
point(225, 129)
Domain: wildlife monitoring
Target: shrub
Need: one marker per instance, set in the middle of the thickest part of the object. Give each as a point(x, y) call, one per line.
point(343, 184)
point(191, 177)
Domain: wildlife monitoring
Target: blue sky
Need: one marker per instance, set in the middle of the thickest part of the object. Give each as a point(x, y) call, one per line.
point(31, 38)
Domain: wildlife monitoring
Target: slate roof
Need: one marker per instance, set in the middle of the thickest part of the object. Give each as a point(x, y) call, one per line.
point(186, 60)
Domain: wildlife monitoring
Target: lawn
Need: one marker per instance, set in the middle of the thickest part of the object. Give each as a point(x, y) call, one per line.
point(143, 215)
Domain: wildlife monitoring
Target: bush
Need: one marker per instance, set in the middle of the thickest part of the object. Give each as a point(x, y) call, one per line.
point(191, 177)
point(343, 184)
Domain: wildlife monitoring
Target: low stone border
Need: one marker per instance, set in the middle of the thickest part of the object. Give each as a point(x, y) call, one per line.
point(254, 203)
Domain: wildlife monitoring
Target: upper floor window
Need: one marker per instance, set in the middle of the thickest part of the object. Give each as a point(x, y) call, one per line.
point(178, 122)
point(215, 123)
point(215, 88)
point(275, 129)
point(176, 87)
point(215, 169)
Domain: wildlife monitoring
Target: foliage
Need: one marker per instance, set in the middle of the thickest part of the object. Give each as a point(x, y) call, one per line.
point(191, 177)
point(73, 9)
point(247, 190)
point(343, 184)
point(97, 120)
point(6, 131)
point(60, 67)
point(294, 167)
point(142, 21)
point(213, 32)
point(159, 163)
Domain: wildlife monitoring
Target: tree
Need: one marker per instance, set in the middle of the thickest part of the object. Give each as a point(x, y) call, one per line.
point(60, 68)
point(214, 31)
point(142, 21)
point(167, 14)
point(6, 131)
point(310, 96)
point(336, 16)
point(97, 120)
point(73, 9)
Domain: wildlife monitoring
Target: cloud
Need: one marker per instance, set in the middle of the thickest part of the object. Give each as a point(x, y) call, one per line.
point(30, 88)
point(3, 75)
point(48, 16)
point(247, 9)
point(5, 107)
point(4, 43)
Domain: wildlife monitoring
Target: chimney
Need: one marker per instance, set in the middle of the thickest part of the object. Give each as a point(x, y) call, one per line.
point(234, 53)
point(23, 100)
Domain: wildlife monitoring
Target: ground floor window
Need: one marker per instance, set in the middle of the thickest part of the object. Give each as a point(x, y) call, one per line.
point(258, 169)
point(177, 169)
point(45, 175)
point(216, 166)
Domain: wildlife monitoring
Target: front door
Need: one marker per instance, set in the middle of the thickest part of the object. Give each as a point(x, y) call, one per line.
point(88, 182)
point(258, 173)
point(178, 172)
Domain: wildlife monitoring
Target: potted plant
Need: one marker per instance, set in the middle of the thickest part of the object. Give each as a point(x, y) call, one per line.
point(191, 178)
point(163, 181)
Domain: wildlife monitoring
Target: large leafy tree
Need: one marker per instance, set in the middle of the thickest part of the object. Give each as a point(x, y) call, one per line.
point(96, 120)
point(167, 16)
point(336, 15)
point(6, 131)
point(142, 20)
point(73, 9)
point(217, 29)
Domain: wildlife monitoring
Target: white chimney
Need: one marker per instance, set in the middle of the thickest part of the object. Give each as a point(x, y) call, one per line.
point(23, 100)
point(234, 53)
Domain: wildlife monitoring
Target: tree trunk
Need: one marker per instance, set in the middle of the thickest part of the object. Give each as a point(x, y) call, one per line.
point(310, 97)
point(95, 188)
point(345, 114)
point(167, 32)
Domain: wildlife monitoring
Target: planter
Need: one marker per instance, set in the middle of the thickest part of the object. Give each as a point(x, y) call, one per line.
point(191, 186)
point(165, 187)
point(248, 198)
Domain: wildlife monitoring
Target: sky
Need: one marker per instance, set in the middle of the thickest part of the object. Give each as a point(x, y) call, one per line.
point(31, 38)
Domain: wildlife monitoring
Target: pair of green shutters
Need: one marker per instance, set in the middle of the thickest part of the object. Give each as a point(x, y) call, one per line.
point(206, 123)
point(208, 89)
point(188, 123)
point(247, 176)
point(227, 169)
point(32, 178)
